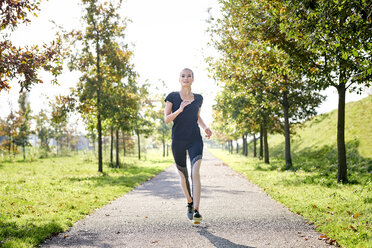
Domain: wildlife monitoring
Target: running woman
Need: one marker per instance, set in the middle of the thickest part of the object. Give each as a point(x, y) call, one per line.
point(183, 108)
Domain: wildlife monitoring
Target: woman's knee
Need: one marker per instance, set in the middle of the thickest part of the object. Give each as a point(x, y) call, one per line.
point(182, 171)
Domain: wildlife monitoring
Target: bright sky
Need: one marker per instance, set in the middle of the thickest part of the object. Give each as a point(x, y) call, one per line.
point(165, 35)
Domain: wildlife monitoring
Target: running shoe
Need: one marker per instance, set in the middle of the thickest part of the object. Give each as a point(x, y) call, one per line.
point(190, 210)
point(197, 218)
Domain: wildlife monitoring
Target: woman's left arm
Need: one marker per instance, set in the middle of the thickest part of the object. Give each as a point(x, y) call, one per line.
point(208, 132)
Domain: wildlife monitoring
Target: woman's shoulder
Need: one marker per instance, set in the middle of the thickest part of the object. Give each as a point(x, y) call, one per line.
point(171, 97)
point(198, 96)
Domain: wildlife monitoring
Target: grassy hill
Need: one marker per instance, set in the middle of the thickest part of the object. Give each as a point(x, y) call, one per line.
point(318, 135)
point(341, 212)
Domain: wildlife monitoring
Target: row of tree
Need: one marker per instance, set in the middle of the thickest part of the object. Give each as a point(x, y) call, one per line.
point(275, 56)
point(108, 95)
point(53, 130)
point(18, 126)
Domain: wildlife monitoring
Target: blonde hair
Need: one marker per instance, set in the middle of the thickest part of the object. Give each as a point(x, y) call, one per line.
point(187, 69)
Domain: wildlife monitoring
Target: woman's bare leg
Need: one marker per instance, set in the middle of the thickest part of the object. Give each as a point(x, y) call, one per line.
point(196, 184)
point(185, 184)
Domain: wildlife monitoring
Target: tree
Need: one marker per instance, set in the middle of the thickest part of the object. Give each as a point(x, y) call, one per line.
point(61, 107)
point(103, 28)
point(162, 130)
point(43, 131)
point(9, 128)
point(337, 34)
point(24, 119)
point(254, 61)
point(121, 94)
point(24, 63)
point(142, 124)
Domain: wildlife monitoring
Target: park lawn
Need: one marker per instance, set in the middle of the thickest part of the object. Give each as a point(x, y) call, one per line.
point(41, 198)
point(320, 132)
point(342, 212)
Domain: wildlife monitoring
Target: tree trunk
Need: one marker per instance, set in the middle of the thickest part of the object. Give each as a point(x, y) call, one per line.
point(237, 147)
point(10, 146)
point(60, 146)
point(254, 146)
point(261, 141)
point(14, 149)
point(341, 149)
point(163, 141)
point(24, 151)
point(68, 142)
point(99, 128)
point(99, 125)
point(266, 145)
point(112, 144)
point(288, 158)
point(117, 148)
point(244, 145)
point(47, 146)
point(124, 148)
point(167, 149)
point(139, 145)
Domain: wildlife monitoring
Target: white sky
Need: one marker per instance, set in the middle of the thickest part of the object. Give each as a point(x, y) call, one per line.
point(165, 35)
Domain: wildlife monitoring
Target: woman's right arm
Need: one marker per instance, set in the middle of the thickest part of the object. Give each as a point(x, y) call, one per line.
point(168, 115)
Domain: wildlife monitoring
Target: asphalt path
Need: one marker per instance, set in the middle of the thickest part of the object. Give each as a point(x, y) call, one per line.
point(236, 213)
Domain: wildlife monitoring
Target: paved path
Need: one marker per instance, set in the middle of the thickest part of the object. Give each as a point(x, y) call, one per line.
point(236, 214)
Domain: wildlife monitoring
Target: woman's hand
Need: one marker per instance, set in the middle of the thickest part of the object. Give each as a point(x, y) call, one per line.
point(184, 103)
point(208, 132)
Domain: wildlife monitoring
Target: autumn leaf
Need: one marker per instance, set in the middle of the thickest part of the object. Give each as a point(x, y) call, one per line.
point(331, 241)
point(353, 228)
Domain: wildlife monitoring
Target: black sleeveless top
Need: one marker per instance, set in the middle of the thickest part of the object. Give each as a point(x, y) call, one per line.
point(185, 125)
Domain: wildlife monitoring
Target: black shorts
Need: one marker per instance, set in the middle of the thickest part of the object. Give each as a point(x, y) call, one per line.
point(194, 148)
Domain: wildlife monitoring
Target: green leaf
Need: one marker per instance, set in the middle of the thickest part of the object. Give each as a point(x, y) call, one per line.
point(344, 55)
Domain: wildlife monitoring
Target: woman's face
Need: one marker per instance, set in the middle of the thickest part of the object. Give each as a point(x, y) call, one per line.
point(186, 78)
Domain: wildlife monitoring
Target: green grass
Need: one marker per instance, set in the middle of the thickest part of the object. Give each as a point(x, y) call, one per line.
point(343, 212)
point(321, 131)
point(43, 197)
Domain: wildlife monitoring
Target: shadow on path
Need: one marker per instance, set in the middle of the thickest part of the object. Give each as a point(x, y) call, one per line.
point(218, 241)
